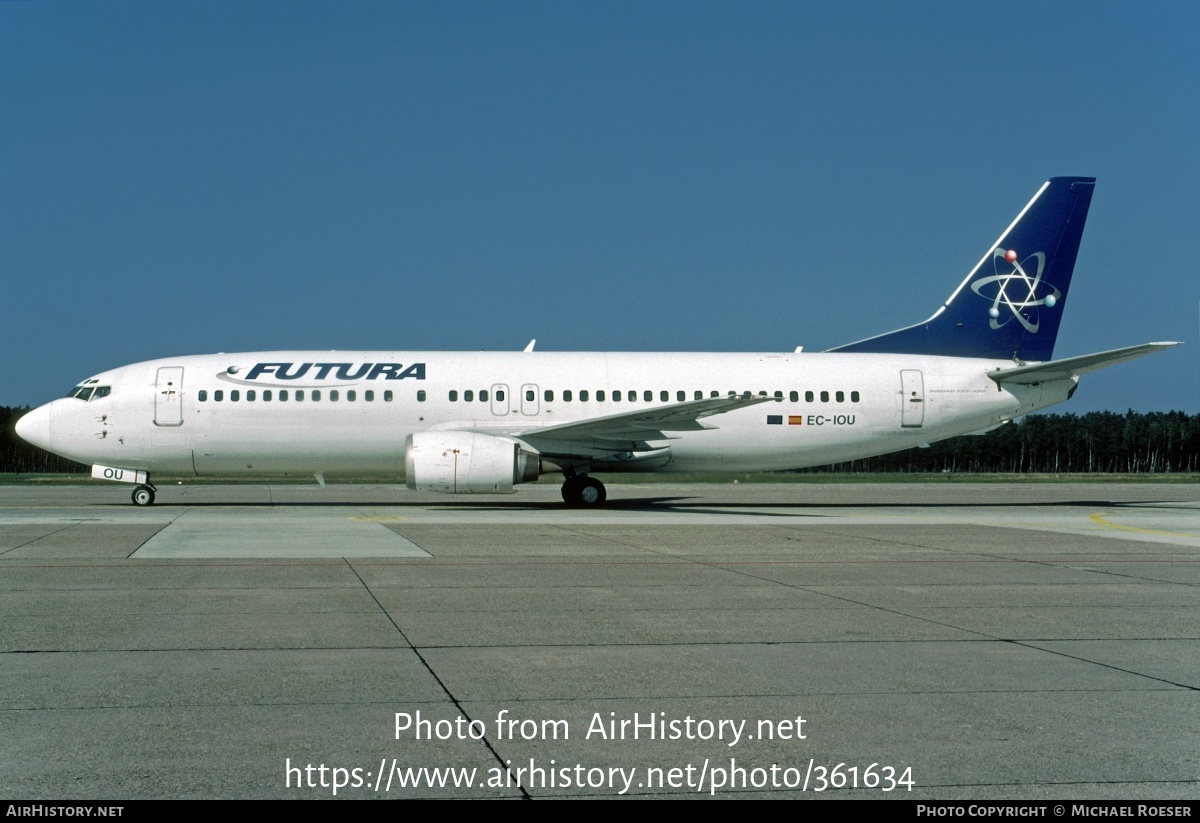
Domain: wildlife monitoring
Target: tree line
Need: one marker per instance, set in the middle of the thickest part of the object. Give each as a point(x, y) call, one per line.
point(1095, 442)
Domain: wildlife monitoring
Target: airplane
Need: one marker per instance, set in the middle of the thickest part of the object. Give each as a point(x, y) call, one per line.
point(484, 422)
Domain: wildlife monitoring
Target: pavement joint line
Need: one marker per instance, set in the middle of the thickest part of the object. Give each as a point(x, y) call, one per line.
point(150, 537)
point(541, 560)
point(727, 567)
point(441, 684)
point(653, 645)
point(36, 539)
point(1027, 644)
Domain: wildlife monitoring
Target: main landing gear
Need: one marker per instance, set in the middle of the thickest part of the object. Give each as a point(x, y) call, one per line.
point(144, 495)
point(582, 490)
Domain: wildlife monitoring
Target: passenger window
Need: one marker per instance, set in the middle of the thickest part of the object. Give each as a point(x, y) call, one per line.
point(649, 395)
point(499, 395)
point(583, 395)
point(420, 395)
point(715, 393)
point(266, 395)
point(218, 395)
point(778, 395)
point(316, 395)
point(664, 396)
point(699, 395)
point(453, 396)
point(549, 395)
point(469, 396)
point(235, 396)
point(617, 396)
point(599, 395)
point(529, 395)
point(840, 397)
point(681, 395)
point(824, 397)
point(369, 395)
point(351, 395)
point(251, 394)
point(483, 395)
point(567, 395)
point(299, 395)
point(283, 394)
point(631, 396)
point(854, 397)
point(333, 395)
point(808, 397)
point(794, 396)
point(387, 396)
point(202, 396)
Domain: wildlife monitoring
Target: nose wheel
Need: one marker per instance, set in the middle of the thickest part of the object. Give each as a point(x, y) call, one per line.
point(583, 491)
point(143, 496)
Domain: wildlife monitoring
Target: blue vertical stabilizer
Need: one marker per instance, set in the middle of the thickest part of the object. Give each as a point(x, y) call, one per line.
point(1010, 305)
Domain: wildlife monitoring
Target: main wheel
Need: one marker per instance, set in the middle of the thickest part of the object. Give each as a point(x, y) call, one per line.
point(570, 490)
point(143, 496)
point(592, 492)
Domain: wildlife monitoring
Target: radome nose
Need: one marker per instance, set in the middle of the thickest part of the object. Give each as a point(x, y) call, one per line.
point(34, 428)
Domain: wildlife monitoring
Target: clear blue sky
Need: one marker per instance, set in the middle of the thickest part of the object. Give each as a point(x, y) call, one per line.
point(181, 178)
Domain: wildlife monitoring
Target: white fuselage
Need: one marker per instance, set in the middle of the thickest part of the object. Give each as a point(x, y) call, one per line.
point(352, 411)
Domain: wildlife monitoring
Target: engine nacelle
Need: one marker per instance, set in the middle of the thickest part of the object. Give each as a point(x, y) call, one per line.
point(457, 462)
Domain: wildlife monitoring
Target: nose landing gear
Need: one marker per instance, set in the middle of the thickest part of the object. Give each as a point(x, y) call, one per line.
point(144, 495)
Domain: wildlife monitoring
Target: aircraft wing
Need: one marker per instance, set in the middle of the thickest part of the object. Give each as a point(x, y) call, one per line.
point(614, 433)
point(1073, 366)
point(643, 424)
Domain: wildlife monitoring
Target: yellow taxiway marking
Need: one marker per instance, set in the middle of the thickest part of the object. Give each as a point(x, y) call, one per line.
point(1098, 518)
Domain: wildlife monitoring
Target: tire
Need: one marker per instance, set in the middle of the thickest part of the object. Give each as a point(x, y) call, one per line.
point(570, 490)
point(592, 493)
point(143, 496)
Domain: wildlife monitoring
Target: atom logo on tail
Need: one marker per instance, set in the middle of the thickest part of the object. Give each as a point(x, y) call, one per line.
point(1016, 290)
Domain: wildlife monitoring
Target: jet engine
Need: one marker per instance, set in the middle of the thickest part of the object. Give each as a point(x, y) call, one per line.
point(458, 462)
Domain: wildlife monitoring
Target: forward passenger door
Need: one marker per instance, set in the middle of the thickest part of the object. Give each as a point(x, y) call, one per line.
point(168, 396)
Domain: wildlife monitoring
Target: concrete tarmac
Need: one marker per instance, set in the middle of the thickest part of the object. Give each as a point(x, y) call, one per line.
point(950, 641)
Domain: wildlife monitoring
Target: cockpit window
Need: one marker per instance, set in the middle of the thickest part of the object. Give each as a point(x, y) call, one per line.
point(89, 392)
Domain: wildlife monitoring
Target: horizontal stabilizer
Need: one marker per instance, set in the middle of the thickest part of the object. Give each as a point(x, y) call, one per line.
point(1074, 366)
